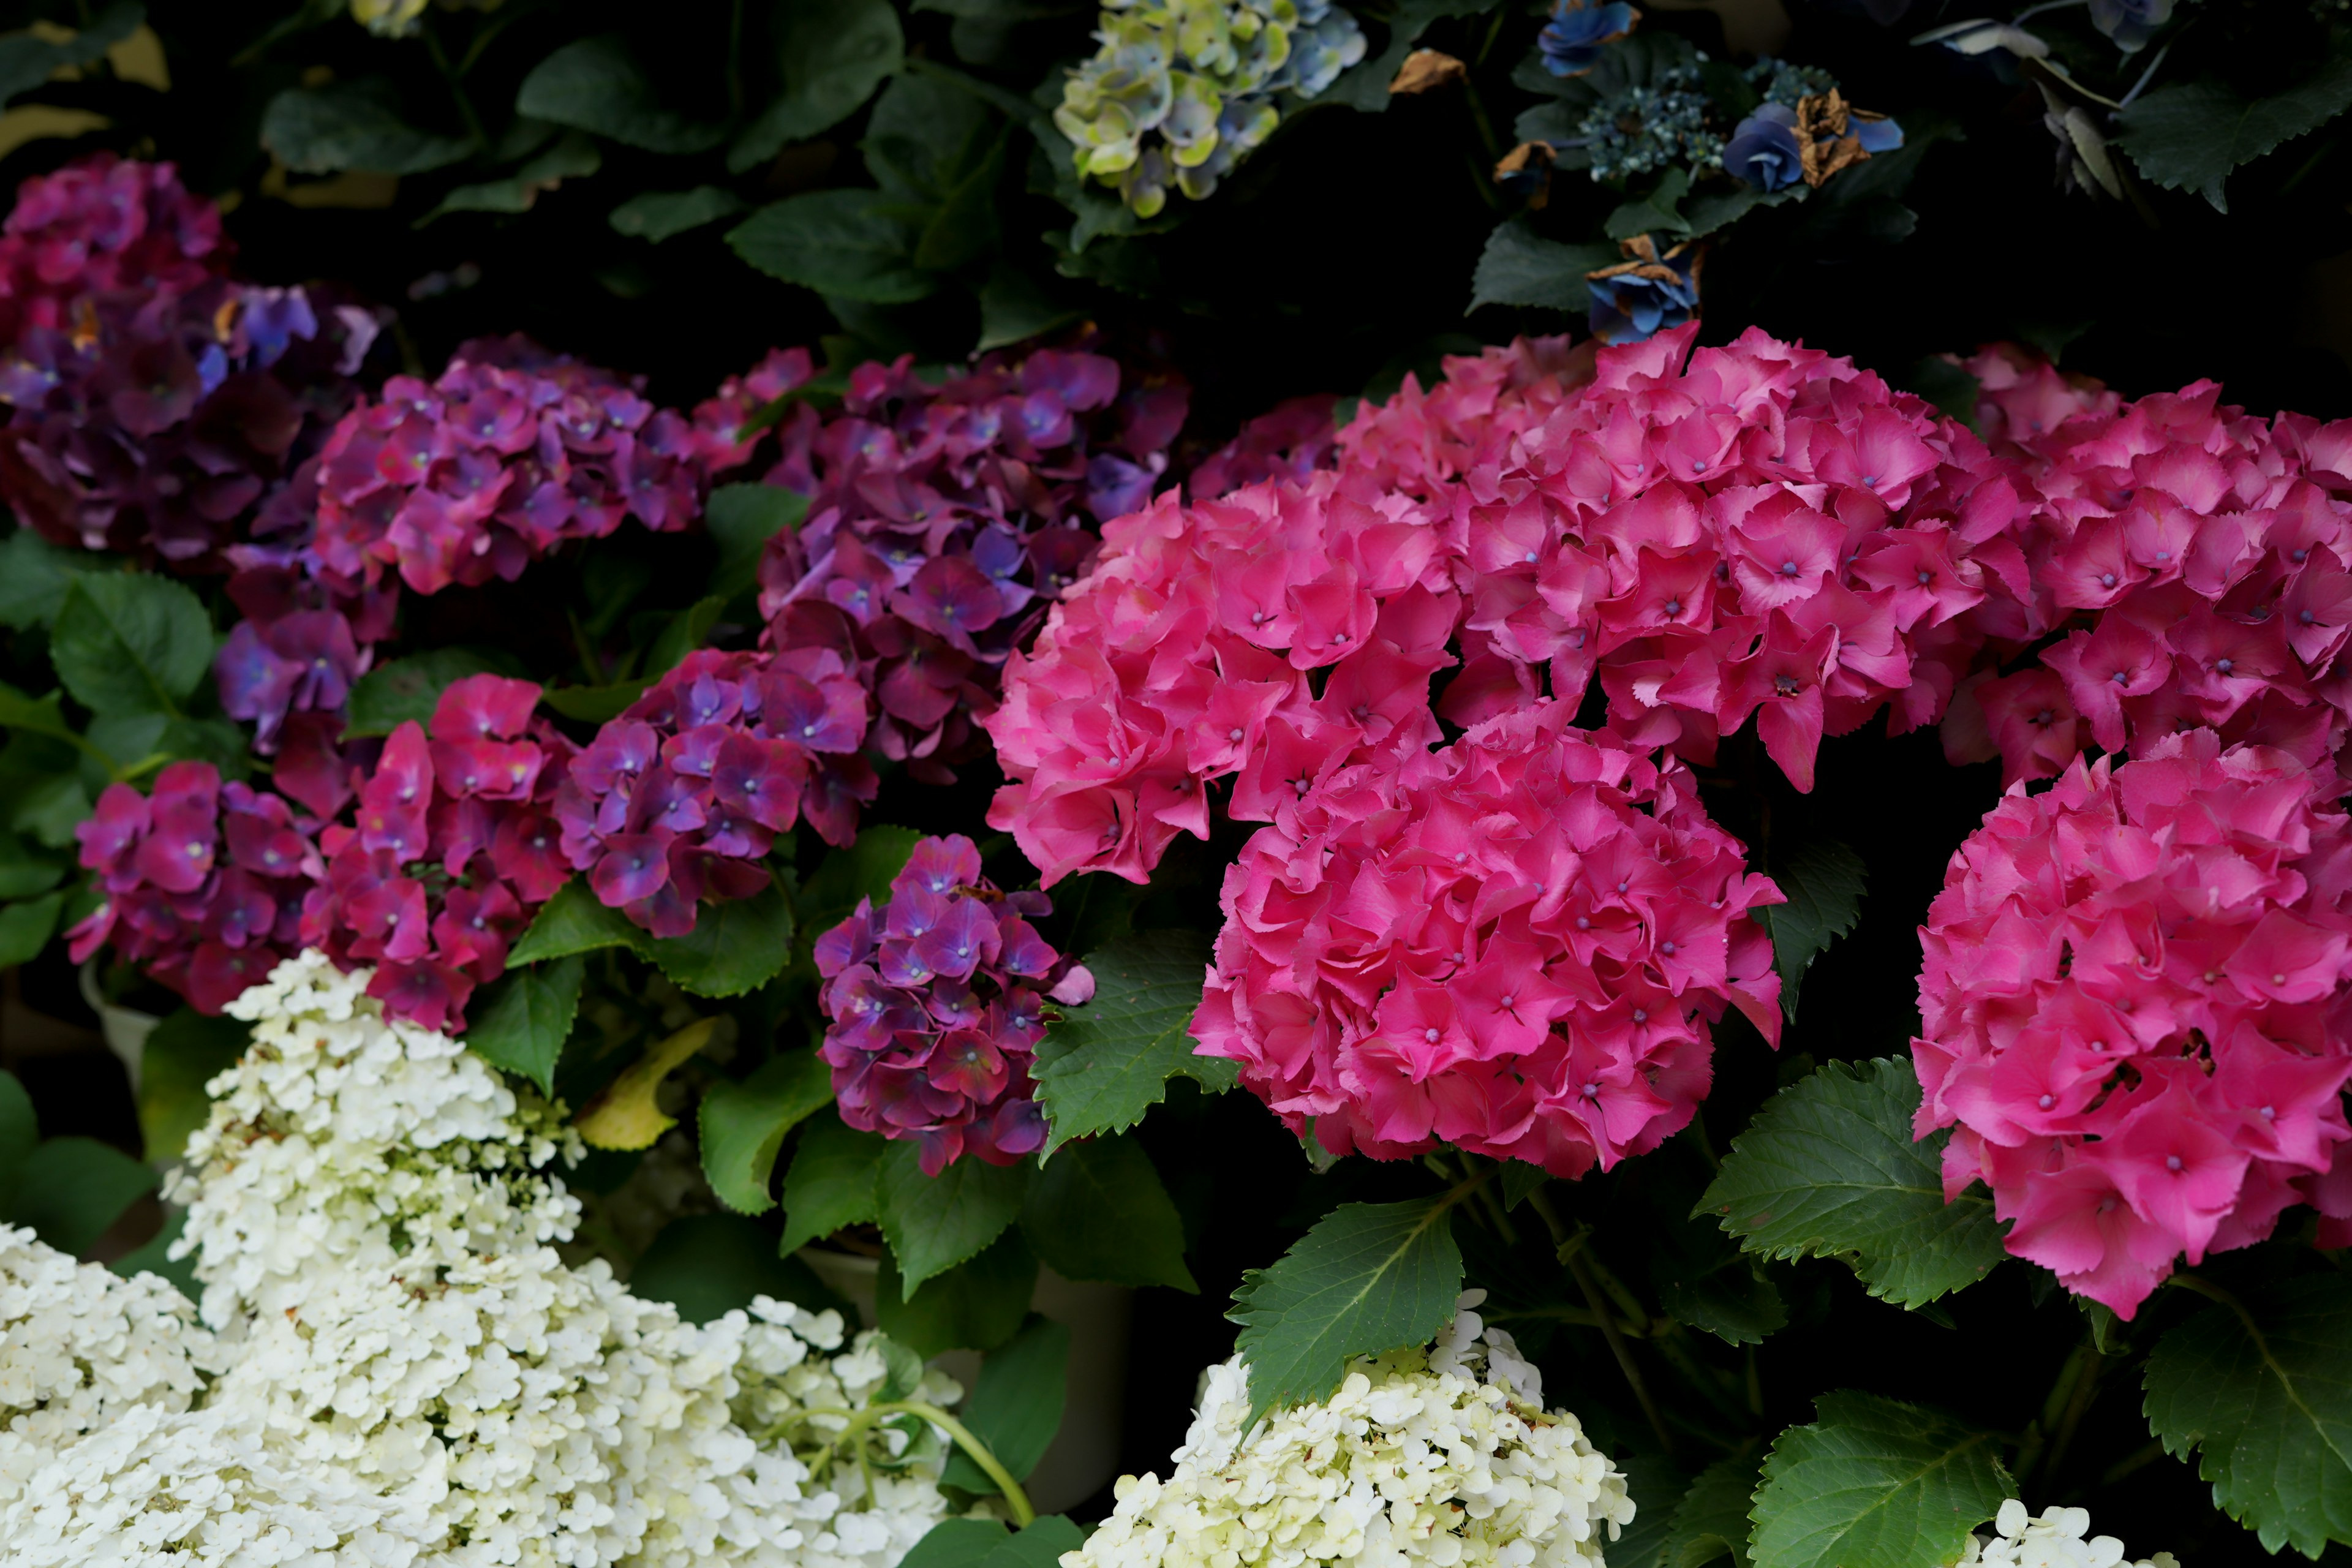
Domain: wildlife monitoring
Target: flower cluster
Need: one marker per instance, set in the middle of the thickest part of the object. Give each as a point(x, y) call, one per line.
point(1808, 138)
point(1648, 292)
point(935, 1004)
point(1757, 531)
point(1411, 1462)
point(99, 226)
point(1578, 30)
point(2056, 1539)
point(681, 797)
point(1288, 441)
point(452, 848)
point(509, 452)
point(2198, 560)
point(942, 519)
point(2135, 1002)
point(1181, 90)
point(204, 882)
point(1517, 945)
point(1665, 121)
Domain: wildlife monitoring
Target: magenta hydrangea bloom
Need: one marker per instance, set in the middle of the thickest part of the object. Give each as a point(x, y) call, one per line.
point(510, 452)
point(942, 519)
point(935, 1005)
point(452, 848)
point(1288, 441)
point(1517, 945)
point(97, 225)
point(680, 798)
point(1758, 531)
point(203, 883)
point(2136, 1011)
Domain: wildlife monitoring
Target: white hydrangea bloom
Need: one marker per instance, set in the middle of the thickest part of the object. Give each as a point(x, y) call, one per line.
point(2059, 1539)
point(78, 1347)
point(1407, 1464)
point(346, 1138)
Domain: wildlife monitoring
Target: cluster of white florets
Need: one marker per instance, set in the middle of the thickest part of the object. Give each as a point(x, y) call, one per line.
point(395, 1367)
point(1442, 1456)
point(2058, 1538)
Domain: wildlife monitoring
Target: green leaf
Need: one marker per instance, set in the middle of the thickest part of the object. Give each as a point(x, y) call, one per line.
point(740, 519)
point(1042, 1545)
point(1015, 307)
point(596, 85)
point(522, 1018)
point(1365, 86)
point(26, 928)
point(353, 125)
point(595, 704)
point(1711, 1519)
point(933, 1223)
point(734, 947)
point(1016, 1406)
point(393, 693)
point(957, 1543)
point(626, 1113)
point(20, 1134)
point(857, 245)
point(1098, 1211)
point(153, 1255)
point(130, 643)
point(72, 1189)
point(183, 1053)
point(33, 577)
point(24, 873)
point(1654, 1481)
point(833, 55)
point(2188, 138)
point(1655, 211)
point(829, 894)
point(833, 1179)
point(1702, 1277)
point(27, 59)
point(574, 921)
point(1828, 1169)
point(657, 215)
point(707, 1265)
point(1825, 882)
point(743, 1124)
point(1518, 266)
point(2260, 1387)
point(685, 632)
point(1368, 1277)
point(1102, 1066)
point(976, 1305)
point(574, 157)
point(34, 715)
point(1872, 1483)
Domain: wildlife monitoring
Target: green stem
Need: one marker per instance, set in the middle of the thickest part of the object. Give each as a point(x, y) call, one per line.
point(1582, 1272)
point(456, 85)
point(859, 1420)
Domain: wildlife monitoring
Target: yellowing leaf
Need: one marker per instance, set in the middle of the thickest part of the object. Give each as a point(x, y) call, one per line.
point(624, 1116)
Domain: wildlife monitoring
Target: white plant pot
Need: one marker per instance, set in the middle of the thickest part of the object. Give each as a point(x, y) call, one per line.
point(1083, 1455)
point(125, 1029)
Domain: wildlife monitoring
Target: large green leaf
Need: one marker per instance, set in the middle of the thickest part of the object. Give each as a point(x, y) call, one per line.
point(657, 215)
point(23, 871)
point(862, 869)
point(27, 59)
point(736, 946)
point(72, 1189)
point(1368, 1277)
point(597, 86)
point(20, 1134)
point(596, 704)
point(682, 634)
point(1873, 1483)
point(522, 1019)
point(574, 921)
point(1827, 1168)
point(573, 156)
point(833, 55)
point(26, 928)
point(1825, 882)
point(706, 1265)
point(978, 1305)
point(33, 577)
point(1016, 1407)
point(1654, 1481)
point(183, 1053)
point(740, 519)
point(743, 1124)
point(393, 693)
point(985, 1543)
point(1098, 1211)
point(2188, 138)
point(2261, 1387)
point(852, 243)
point(1702, 1279)
point(1105, 1064)
point(32, 715)
point(834, 1180)
point(1711, 1519)
point(353, 125)
point(130, 643)
point(1520, 267)
point(933, 1223)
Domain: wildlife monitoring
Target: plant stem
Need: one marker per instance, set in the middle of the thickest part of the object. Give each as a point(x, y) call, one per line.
point(1582, 1272)
point(859, 1420)
point(456, 86)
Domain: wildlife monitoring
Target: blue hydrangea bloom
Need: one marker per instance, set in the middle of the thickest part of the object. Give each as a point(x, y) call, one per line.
point(1645, 293)
point(1764, 149)
point(2130, 23)
point(1646, 128)
point(1877, 135)
point(1573, 40)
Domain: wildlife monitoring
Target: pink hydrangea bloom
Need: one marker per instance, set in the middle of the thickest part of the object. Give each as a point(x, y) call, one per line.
point(935, 1005)
point(203, 883)
point(1518, 945)
point(99, 225)
point(2136, 1006)
point(1288, 441)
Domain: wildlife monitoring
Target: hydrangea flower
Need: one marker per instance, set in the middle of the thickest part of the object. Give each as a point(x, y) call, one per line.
point(942, 520)
point(1649, 292)
point(507, 453)
point(101, 224)
point(1571, 41)
point(1516, 945)
point(453, 847)
point(2133, 1005)
point(1442, 1457)
point(1650, 125)
point(935, 1004)
point(680, 798)
point(204, 882)
point(1181, 90)
point(1288, 441)
point(1764, 151)
point(2130, 23)
point(2055, 1540)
